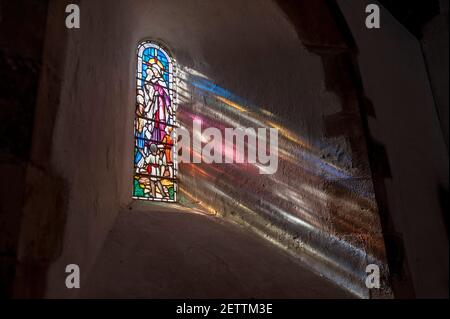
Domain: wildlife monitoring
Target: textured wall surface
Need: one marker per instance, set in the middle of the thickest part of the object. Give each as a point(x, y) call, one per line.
point(436, 52)
point(240, 64)
point(407, 125)
point(20, 64)
point(89, 133)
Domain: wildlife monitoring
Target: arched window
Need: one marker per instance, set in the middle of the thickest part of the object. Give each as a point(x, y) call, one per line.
point(155, 164)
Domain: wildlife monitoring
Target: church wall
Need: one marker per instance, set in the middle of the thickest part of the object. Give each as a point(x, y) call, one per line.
point(240, 64)
point(406, 125)
point(21, 47)
point(248, 68)
point(88, 138)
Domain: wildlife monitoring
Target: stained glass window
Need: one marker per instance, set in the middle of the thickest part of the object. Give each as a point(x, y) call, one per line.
point(155, 163)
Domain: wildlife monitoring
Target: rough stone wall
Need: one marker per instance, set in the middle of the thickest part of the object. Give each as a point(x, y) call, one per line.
point(435, 49)
point(21, 46)
point(89, 133)
point(406, 126)
point(43, 209)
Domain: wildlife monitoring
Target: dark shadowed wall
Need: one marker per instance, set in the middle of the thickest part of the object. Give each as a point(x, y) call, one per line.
point(406, 124)
point(21, 46)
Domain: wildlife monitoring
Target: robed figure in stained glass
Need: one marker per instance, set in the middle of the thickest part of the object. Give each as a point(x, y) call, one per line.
point(155, 118)
point(157, 100)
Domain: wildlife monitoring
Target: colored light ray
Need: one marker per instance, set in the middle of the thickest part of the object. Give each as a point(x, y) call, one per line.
point(208, 208)
point(331, 171)
point(304, 210)
point(304, 195)
point(320, 255)
point(325, 169)
point(317, 166)
point(231, 103)
point(325, 257)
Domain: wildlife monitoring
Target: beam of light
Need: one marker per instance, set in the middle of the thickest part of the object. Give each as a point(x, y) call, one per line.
point(209, 209)
point(317, 254)
point(231, 103)
point(313, 206)
point(268, 113)
point(289, 135)
point(208, 86)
